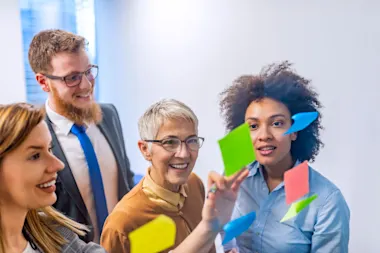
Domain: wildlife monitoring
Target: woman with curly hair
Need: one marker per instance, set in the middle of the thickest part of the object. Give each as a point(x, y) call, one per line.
point(267, 103)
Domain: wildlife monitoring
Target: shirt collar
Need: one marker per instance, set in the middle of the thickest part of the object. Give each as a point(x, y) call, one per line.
point(173, 198)
point(254, 167)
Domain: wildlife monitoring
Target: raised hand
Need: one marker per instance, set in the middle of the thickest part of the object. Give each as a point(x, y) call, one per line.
point(219, 205)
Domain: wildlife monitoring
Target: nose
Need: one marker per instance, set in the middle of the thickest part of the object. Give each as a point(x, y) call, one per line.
point(55, 164)
point(264, 134)
point(183, 151)
point(85, 83)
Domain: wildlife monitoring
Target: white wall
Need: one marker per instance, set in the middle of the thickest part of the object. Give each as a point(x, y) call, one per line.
point(192, 49)
point(12, 85)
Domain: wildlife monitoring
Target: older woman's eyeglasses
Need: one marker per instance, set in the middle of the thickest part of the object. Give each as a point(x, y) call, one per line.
point(173, 144)
point(75, 79)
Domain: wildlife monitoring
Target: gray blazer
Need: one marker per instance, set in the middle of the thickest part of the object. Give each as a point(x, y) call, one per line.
point(69, 200)
point(74, 244)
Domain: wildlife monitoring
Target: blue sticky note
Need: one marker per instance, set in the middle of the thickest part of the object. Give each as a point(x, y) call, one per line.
point(301, 121)
point(236, 227)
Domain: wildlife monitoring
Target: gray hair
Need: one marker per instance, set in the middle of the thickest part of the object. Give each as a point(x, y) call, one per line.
point(153, 118)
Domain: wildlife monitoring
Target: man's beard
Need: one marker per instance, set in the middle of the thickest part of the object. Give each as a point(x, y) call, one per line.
point(75, 114)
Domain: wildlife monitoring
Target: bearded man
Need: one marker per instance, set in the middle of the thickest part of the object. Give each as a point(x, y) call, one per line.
point(87, 136)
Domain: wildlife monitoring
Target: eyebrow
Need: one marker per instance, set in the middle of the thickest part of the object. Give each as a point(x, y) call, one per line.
point(174, 136)
point(38, 147)
point(271, 117)
point(77, 72)
point(35, 147)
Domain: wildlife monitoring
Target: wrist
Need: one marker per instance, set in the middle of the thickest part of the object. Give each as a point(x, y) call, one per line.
point(210, 226)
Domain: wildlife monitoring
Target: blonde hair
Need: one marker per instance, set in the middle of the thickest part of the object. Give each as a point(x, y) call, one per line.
point(151, 121)
point(48, 43)
point(16, 123)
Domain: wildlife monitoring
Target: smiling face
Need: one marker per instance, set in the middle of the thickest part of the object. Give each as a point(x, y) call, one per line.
point(268, 121)
point(76, 103)
point(28, 173)
point(171, 169)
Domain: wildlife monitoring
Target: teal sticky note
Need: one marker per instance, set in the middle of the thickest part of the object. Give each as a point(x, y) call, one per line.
point(237, 149)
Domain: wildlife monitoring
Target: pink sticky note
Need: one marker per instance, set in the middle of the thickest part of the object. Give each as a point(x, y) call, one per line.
point(296, 182)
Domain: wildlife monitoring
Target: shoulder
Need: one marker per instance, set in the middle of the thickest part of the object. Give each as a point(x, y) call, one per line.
point(320, 184)
point(74, 244)
point(132, 211)
point(107, 107)
point(330, 196)
point(194, 182)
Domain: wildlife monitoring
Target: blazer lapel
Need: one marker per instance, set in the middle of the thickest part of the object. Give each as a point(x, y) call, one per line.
point(66, 176)
point(122, 186)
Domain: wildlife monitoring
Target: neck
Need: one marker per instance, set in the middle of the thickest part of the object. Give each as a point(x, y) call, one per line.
point(52, 105)
point(12, 222)
point(277, 171)
point(274, 175)
point(160, 180)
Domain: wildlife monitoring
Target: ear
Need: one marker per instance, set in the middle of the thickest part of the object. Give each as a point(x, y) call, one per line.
point(293, 136)
point(43, 82)
point(144, 149)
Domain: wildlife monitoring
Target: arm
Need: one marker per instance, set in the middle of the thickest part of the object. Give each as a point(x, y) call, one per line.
point(231, 245)
point(129, 172)
point(74, 244)
point(200, 240)
point(114, 242)
point(216, 212)
point(331, 232)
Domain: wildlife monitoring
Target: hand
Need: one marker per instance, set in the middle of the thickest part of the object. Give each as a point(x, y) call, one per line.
point(218, 206)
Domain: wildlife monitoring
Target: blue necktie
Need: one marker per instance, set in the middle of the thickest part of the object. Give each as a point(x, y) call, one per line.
point(95, 175)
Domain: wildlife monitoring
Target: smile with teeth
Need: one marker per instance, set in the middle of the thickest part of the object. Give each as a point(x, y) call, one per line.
point(83, 95)
point(48, 184)
point(267, 148)
point(181, 166)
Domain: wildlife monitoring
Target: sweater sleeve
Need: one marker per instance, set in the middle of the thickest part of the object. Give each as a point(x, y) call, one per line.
point(116, 229)
point(114, 241)
point(76, 245)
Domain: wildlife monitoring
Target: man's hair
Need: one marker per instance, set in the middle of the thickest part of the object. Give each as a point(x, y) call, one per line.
point(165, 109)
point(48, 43)
point(281, 83)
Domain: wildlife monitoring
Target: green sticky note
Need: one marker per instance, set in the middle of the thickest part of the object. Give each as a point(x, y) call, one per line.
point(298, 206)
point(237, 149)
point(155, 236)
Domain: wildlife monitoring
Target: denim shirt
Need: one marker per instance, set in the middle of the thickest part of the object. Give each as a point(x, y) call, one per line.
point(321, 227)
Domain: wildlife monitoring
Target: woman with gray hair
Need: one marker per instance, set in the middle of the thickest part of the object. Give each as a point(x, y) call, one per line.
point(170, 142)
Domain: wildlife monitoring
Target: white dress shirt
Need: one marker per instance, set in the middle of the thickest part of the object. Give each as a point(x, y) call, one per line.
point(77, 161)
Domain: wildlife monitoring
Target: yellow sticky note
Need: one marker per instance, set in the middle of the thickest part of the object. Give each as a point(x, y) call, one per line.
point(297, 207)
point(155, 236)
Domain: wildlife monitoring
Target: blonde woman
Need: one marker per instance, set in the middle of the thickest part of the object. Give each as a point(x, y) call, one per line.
point(28, 171)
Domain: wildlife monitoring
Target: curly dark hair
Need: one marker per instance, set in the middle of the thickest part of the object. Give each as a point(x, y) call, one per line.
point(281, 83)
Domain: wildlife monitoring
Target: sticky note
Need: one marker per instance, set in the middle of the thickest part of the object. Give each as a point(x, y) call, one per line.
point(301, 121)
point(296, 182)
point(238, 226)
point(237, 149)
point(154, 236)
point(297, 207)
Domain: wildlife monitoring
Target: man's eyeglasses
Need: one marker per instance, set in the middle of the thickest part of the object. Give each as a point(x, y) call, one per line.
point(173, 144)
point(75, 79)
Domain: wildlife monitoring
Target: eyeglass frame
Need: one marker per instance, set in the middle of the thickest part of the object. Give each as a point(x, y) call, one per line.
point(78, 73)
point(182, 141)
